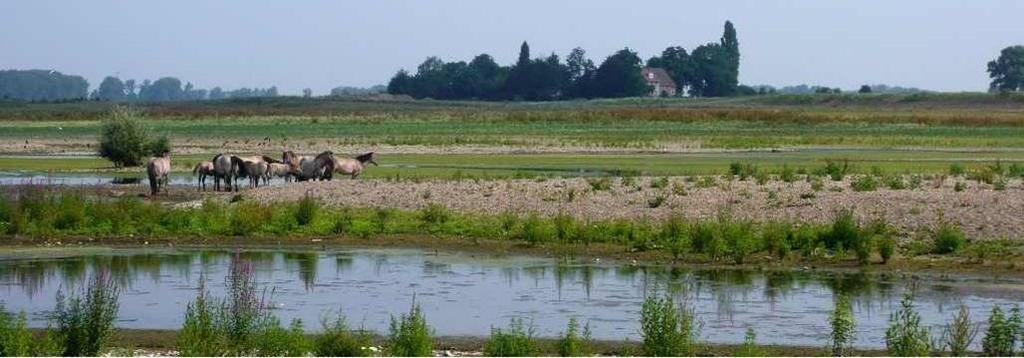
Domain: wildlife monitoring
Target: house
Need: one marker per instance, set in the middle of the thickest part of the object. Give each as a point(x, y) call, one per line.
point(660, 82)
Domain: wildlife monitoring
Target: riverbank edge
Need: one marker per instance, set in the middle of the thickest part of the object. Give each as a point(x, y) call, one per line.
point(157, 342)
point(918, 267)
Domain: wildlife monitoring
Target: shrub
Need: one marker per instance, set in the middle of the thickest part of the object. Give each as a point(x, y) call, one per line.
point(337, 340)
point(15, 339)
point(249, 217)
point(434, 214)
point(533, 230)
point(817, 184)
point(999, 184)
point(566, 228)
point(762, 178)
point(342, 222)
point(706, 181)
point(845, 234)
point(674, 235)
point(381, 217)
point(123, 139)
point(895, 182)
point(835, 170)
point(843, 327)
point(864, 183)
point(656, 201)
point(1001, 336)
point(959, 186)
point(659, 183)
point(667, 330)
point(573, 343)
point(272, 340)
point(742, 171)
point(307, 210)
point(956, 169)
point(948, 239)
point(200, 336)
point(750, 348)
point(409, 335)
point(787, 175)
point(886, 247)
point(600, 184)
point(959, 334)
point(905, 336)
point(85, 325)
point(739, 236)
point(515, 341)
point(775, 237)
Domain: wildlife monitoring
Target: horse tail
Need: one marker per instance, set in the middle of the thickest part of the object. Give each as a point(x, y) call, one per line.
point(154, 186)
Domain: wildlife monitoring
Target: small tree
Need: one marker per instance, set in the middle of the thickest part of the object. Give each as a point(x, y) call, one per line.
point(905, 336)
point(85, 325)
point(409, 335)
point(959, 334)
point(1001, 336)
point(667, 330)
point(124, 141)
point(864, 89)
point(843, 327)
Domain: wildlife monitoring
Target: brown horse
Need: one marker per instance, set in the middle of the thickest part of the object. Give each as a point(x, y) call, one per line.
point(353, 167)
point(310, 168)
point(158, 169)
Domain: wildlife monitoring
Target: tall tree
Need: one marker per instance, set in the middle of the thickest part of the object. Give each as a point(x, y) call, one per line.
point(1007, 71)
point(524, 54)
point(731, 46)
point(677, 63)
point(111, 89)
point(521, 75)
point(161, 90)
point(712, 74)
point(400, 83)
point(619, 76)
point(41, 85)
point(581, 71)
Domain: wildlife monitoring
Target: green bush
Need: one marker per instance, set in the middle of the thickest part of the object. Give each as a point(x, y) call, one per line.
point(959, 186)
point(1002, 333)
point(864, 183)
point(337, 340)
point(948, 239)
point(515, 341)
point(574, 343)
point(906, 337)
point(787, 175)
point(434, 214)
point(566, 228)
point(600, 184)
point(886, 247)
point(15, 339)
point(843, 326)
point(343, 221)
point(776, 238)
point(200, 336)
point(124, 141)
point(956, 169)
point(84, 324)
point(742, 171)
point(675, 236)
point(273, 340)
point(845, 233)
point(895, 182)
point(533, 230)
point(835, 170)
point(249, 217)
point(381, 217)
point(659, 183)
point(749, 347)
point(667, 330)
point(739, 236)
point(409, 335)
point(307, 210)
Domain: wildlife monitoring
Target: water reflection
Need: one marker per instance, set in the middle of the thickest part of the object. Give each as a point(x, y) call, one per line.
point(465, 295)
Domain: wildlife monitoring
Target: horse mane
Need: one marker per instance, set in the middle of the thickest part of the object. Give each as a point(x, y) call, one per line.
point(270, 160)
point(240, 164)
point(325, 155)
point(363, 158)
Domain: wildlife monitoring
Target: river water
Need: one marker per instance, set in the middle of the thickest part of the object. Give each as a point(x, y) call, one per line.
point(466, 294)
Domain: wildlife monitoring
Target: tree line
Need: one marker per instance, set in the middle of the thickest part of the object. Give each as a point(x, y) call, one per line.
point(47, 85)
point(711, 70)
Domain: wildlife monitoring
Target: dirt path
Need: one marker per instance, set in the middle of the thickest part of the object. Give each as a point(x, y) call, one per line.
point(983, 213)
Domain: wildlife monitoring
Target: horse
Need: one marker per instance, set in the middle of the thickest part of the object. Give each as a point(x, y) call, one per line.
point(251, 168)
point(353, 167)
point(203, 170)
point(279, 170)
point(307, 167)
point(224, 168)
point(157, 170)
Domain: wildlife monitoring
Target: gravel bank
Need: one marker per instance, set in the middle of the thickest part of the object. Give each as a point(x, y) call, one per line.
point(983, 213)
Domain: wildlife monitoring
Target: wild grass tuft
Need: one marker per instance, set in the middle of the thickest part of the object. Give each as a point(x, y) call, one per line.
point(514, 341)
point(307, 210)
point(337, 340)
point(843, 326)
point(959, 334)
point(573, 342)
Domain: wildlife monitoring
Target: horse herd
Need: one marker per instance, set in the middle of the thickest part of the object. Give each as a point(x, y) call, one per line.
point(231, 168)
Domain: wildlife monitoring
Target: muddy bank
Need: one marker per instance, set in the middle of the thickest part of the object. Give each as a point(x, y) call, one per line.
point(984, 213)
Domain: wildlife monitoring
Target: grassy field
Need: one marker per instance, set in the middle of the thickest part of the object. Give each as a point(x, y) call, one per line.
point(920, 133)
point(468, 166)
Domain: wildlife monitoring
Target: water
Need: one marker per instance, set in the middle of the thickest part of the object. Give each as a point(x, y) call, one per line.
point(71, 178)
point(463, 294)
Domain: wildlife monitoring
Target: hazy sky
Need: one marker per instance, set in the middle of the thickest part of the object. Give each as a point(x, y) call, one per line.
point(931, 44)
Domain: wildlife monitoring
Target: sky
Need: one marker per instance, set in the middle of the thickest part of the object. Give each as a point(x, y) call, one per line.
point(931, 44)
